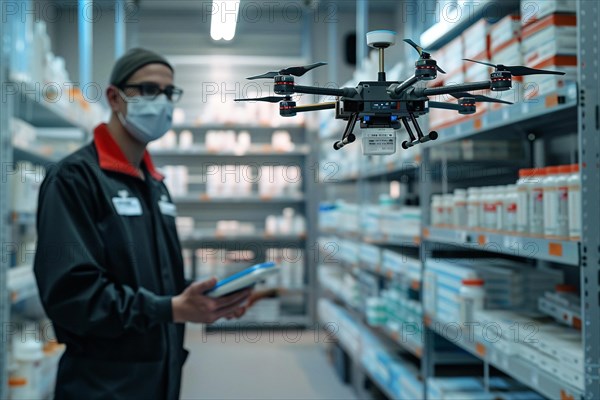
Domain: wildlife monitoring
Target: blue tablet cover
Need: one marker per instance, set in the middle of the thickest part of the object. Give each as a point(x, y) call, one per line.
point(242, 273)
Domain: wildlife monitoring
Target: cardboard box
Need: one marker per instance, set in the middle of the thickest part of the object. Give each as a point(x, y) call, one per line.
point(553, 35)
point(476, 40)
point(453, 63)
point(534, 10)
point(504, 31)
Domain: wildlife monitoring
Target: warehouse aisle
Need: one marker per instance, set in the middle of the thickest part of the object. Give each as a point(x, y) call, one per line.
point(259, 366)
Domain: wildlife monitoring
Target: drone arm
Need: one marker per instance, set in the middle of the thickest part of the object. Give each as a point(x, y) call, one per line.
point(343, 92)
point(315, 107)
point(463, 87)
point(405, 85)
point(444, 106)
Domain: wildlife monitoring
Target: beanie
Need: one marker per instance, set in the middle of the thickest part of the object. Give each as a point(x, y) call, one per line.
point(133, 60)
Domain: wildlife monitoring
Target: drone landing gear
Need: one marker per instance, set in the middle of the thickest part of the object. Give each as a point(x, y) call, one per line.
point(348, 137)
point(420, 137)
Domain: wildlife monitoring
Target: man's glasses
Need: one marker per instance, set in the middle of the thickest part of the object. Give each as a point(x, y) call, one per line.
point(152, 90)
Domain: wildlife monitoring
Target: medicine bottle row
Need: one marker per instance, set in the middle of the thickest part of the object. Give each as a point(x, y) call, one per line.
point(543, 202)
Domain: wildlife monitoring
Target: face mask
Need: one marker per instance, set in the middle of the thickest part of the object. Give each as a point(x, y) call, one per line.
point(147, 119)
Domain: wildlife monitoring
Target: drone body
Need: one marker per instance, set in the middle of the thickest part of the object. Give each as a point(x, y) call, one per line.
point(385, 106)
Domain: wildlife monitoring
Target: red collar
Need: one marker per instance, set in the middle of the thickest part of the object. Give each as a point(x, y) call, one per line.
point(111, 158)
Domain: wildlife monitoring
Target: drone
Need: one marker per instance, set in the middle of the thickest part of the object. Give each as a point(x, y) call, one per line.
point(381, 106)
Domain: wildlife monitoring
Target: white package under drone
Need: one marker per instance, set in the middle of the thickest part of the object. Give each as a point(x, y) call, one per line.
point(378, 141)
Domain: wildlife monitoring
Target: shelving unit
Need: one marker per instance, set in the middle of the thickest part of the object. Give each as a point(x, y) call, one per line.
point(535, 123)
point(253, 208)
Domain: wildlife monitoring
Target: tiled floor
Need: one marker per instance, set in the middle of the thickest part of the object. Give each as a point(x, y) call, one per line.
point(259, 365)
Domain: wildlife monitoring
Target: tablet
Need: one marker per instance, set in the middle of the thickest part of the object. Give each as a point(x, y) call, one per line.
point(243, 279)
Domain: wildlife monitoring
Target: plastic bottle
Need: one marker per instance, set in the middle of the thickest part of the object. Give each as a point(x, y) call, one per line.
point(437, 210)
point(473, 204)
point(550, 202)
point(471, 297)
point(489, 208)
point(523, 193)
point(574, 188)
point(510, 209)
point(536, 202)
point(28, 357)
point(498, 199)
point(562, 220)
point(460, 208)
point(448, 201)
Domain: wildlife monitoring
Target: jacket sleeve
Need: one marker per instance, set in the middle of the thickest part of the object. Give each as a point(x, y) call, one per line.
point(76, 290)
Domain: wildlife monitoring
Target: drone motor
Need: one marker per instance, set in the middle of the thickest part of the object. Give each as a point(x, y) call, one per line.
point(467, 105)
point(500, 81)
point(426, 69)
point(284, 84)
point(287, 108)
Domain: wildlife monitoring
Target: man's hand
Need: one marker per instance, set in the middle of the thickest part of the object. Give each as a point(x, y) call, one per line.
point(193, 306)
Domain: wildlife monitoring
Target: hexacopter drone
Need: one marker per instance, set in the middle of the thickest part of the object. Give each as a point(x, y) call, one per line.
point(383, 105)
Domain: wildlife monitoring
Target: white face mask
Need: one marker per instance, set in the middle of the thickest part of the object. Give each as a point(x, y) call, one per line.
point(147, 119)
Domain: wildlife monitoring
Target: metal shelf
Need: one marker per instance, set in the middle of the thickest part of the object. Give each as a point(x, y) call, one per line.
point(32, 108)
point(561, 251)
point(238, 241)
point(519, 369)
point(20, 154)
point(551, 110)
point(382, 332)
point(383, 239)
point(204, 199)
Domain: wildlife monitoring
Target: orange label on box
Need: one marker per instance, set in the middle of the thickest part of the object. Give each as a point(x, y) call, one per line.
point(480, 349)
point(565, 396)
point(427, 320)
point(417, 240)
point(425, 232)
point(477, 123)
point(481, 239)
point(555, 249)
point(551, 100)
point(204, 197)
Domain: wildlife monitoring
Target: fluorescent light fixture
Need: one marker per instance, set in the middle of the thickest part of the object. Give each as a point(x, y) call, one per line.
point(224, 19)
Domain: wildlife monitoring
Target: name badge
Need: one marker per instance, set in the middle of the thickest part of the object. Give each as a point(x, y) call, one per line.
point(127, 206)
point(167, 208)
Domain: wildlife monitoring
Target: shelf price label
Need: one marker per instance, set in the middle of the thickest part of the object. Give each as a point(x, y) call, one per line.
point(480, 349)
point(555, 249)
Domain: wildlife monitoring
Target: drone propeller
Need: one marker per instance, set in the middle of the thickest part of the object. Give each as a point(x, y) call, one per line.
point(296, 71)
point(518, 70)
point(479, 98)
point(422, 53)
point(269, 99)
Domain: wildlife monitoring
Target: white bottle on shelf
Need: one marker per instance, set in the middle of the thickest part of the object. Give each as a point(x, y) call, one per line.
point(28, 356)
point(437, 210)
point(536, 202)
point(574, 187)
point(510, 209)
point(523, 194)
point(489, 208)
point(448, 205)
point(499, 199)
point(550, 202)
point(473, 205)
point(471, 297)
point(460, 208)
point(186, 139)
point(562, 220)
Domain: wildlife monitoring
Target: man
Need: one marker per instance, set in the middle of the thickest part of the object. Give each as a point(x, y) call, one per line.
point(108, 263)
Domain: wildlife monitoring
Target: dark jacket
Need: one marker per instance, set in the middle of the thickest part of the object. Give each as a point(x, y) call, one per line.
point(107, 264)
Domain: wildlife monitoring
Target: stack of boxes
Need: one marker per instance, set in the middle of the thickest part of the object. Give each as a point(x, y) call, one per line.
point(450, 60)
point(466, 388)
point(505, 48)
point(477, 37)
point(507, 285)
point(549, 42)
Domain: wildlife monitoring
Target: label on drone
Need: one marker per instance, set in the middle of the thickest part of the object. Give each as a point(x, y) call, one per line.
point(378, 141)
